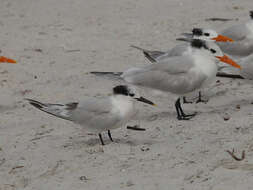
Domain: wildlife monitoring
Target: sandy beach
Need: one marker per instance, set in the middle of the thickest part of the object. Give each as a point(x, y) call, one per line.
point(58, 42)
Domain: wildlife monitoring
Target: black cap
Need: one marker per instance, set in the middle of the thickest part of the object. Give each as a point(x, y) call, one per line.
point(251, 14)
point(197, 31)
point(121, 89)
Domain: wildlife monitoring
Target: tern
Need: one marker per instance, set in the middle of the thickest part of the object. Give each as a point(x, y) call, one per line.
point(179, 75)
point(185, 48)
point(241, 48)
point(97, 114)
point(241, 35)
point(181, 49)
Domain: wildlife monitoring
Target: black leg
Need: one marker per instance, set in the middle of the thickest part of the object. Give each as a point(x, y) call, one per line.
point(183, 114)
point(110, 136)
point(101, 139)
point(200, 99)
point(186, 101)
point(179, 116)
point(180, 113)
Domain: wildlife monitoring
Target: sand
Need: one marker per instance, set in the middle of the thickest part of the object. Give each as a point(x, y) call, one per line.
point(56, 44)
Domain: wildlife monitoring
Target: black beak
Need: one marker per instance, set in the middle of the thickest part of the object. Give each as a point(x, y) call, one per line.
point(141, 99)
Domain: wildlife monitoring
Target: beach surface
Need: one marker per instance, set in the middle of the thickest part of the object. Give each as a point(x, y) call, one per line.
point(58, 42)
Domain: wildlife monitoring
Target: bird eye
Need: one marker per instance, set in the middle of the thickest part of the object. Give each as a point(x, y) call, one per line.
point(212, 50)
point(206, 34)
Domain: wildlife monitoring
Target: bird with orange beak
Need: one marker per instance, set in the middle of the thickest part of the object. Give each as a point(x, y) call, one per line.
point(184, 48)
point(194, 70)
point(180, 49)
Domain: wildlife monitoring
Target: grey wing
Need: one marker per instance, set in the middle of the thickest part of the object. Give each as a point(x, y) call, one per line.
point(95, 113)
point(237, 32)
point(242, 45)
point(150, 55)
point(173, 74)
point(238, 48)
point(153, 56)
point(178, 50)
point(156, 56)
point(247, 67)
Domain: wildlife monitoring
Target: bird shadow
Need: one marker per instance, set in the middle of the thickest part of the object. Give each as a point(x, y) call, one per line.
point(224, 107)
point(136, 142)
point(205, 109)
point(172, 115)
point(81, 142)
point(77, 143)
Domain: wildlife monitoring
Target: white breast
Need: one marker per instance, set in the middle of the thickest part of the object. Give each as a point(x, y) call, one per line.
point(123, 106)
point(206, 65)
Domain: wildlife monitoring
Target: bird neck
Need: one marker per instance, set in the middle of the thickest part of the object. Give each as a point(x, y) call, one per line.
point(205, 62)
point(203, 54)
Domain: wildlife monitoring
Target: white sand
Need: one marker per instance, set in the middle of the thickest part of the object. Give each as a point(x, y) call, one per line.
point(38, 151)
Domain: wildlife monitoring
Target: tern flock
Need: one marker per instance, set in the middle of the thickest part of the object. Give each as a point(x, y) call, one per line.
point(186, 68)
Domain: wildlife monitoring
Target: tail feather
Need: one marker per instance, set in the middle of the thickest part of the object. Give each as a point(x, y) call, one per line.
point(109, 75)
point(150, 55)
point(58, 110)
point(35, 103)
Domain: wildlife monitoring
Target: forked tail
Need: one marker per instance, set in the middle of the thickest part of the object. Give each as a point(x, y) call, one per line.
point(150, 55)
point(58, 110)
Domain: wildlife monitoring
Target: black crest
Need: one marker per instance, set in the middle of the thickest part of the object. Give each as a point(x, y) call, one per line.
point(251, 14)
point(197, 32)
point(121, 89)
point(198, 44)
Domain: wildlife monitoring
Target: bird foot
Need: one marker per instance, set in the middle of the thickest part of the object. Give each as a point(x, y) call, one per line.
point(186, 101)
point(186, 116)
point(200, 100)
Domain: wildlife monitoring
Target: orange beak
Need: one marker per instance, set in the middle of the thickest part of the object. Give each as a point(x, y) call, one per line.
point(229, 61)
point(6, 60)
point(221, 38)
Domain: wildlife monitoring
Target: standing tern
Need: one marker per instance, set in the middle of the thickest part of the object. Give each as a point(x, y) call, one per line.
point(181, 49)
point(97, 114)
point(185, 48)
point(179, 74)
